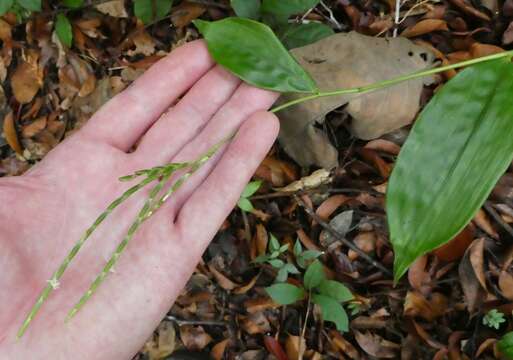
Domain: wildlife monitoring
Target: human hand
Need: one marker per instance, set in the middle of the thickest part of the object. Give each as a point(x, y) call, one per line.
point(45, 211)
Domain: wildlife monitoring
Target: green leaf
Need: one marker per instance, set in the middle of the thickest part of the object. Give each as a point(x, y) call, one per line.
point(251, 188)
point(307, 255)
point(247, 8)
point(32, 5)
point(332, 311)
point(285, 294)
point(298, 249)
point(73, 4)
point(261, 259)
point(283, 248)
point(314, 275)
point(335, 290)
point(457, 150)
point(274, 244)
point(506, 345)
point(149, 11)
point(288, 7)
point(64, 30)
point(298, 35)
point(5, 6)
point(251, 51)
point(277, 263)
point(245, 204)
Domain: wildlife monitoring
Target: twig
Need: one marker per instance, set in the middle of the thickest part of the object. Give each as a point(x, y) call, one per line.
point(341, 238)
point(303, 331)
point(396, 18)
point(180, 322)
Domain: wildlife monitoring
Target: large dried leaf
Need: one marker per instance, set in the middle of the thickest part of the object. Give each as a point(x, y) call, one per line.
point(457, 150)
point(347, 60)
point(27, 79)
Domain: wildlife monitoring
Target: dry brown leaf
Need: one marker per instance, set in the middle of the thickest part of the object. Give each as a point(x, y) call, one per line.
point(483, 222)
point(418, 277)
point(194, 338)
point(506, 285)
point(256, 323)
point(5, 31)
point(375, 345)
point(27, 79)
point(306, 241)
point(415, 304)
point(470, 10)
point(365, 241)
point(425, 336)
point(315, 179)
point(185, 13)
point(9, 133)
point(479, 50)
point(277, 172)
point(260, 241)
point(295, 347)
point(425, 27)
point(477, 260)
point(218, 349)
point(144, 44)
point(347, 60)
point(367, 323)
point(245, 288)
point(114, 8)
point(456, 248)
point(507, 37)
point(222, 280)
point(330, 205)
point(488, 344)
point(344, 346)
point(259, 304)
point(383, 145)
point(165, 344)
point(273, 346)
point(35, 127)
point(472, 289)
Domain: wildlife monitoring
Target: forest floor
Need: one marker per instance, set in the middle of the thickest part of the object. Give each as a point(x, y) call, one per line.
point(436, 312)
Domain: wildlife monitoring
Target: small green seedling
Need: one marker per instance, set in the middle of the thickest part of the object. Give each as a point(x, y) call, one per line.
point(244, 204)
point(493, 319)
point(327, 294)
point(272, 258)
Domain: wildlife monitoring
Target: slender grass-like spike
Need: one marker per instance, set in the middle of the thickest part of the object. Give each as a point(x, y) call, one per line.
point(143, 215)
point(73, 252)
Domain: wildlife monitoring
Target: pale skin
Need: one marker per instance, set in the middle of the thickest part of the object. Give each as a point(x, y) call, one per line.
point(178, 109)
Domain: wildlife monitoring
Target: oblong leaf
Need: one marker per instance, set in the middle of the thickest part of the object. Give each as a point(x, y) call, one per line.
point(246, 8)
point(32, 5)
point(5, 5)
point(314, 275)
point(288, 7)
point(151, 10)
point(457, 150)
point(251, 188)
point(506, 345)
point(64, 30)
point(335, 290)
point(285, 294)
point(251, 51)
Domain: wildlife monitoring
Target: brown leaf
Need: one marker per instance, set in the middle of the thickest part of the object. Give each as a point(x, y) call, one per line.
point(259, 241)
point(5, 31)
point(375, 345)
point(245, 288)
point(480, 50)
point(483, 222)
point(344, 346)
point(217, 351)
point(185, 13)
point(507, 37)
point(416, 304)
point(470, 10)
point(256, 323)
point(222, 280)
point(114, 8)
point(456, 248)
point(506, 285)
point(418, 277)
point(366, 241)
point(315, 179)
point(165, 344)
point(259, 304)
point(306, 241)
point(330, 205)
point(384, 146)
point(194, 338)
point(347, 60)
point(27, 79)
point(274, 347)
point(425, 336)
point(295, 347)
point(277, 172)
point(10, 133)
point(35, 127)
point(485, 345)
point(472, 290)
point(477, 260)
point(425, 27)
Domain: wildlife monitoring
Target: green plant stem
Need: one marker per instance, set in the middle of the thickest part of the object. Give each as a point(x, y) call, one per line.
point(62, 268)
point(390, 82)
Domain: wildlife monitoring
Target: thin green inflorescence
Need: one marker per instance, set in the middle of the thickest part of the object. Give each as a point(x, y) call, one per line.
point(161, 172)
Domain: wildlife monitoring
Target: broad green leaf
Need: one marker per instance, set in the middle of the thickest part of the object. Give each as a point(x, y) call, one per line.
point(251, 188)
point(335, 290)
point(73, 4)
point(314, 275)
point(277, 263)
point(283, 248)
point(455, 153)
point(298, 35)
point(285, 294)
point(288, 7)
point(32, 5)
point(306, 256)
point(151, 10)
point(5, 5)
point(332, 311)
point(64, 30)
point(247, 8)
point(506, 345)
point(251, 51)
point(297, 248)
point(282, 275)
point(261, 259)
point(245, 204)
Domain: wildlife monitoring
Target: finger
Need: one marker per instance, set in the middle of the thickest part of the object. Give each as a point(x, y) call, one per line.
point(203, 213)
point(125, 118)
point(185, 120)
point(246, 101)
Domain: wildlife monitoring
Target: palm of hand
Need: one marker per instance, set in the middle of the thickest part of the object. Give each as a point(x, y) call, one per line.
point(50, 207)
